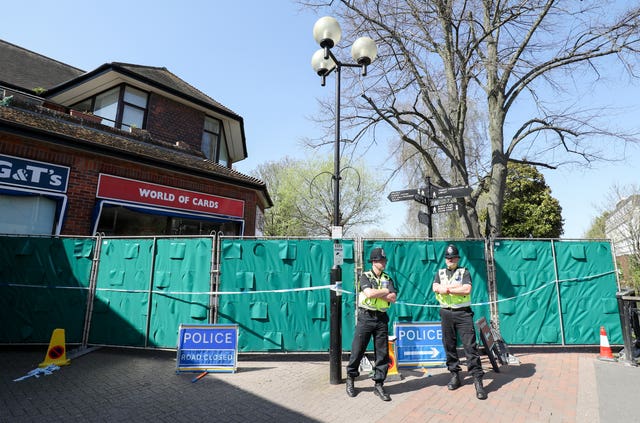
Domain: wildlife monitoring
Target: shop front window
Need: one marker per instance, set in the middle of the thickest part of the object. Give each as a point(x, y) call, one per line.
point(27, 215)
point(120, 221)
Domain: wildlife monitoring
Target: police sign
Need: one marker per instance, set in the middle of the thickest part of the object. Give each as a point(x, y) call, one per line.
point(419, 344)
point(211, 348)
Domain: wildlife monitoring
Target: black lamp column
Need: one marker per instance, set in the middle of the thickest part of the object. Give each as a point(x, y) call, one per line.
point(327, 33)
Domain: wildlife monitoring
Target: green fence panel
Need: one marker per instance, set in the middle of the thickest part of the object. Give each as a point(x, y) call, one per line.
point(181, 282)
point(121, 303)
point(297, 317)
point(413, 266)
point(527, 292)
point(276, 290)
point(43, 286)
point(588, 289)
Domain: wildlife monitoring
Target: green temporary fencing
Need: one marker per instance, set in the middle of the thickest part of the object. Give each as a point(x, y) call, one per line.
point(147, 287)
point(44, 284)
point(413, 265)
point(181, 286)
point(588, 286)
point(122, 292)
point(277, 291)
point(556, 292)
point(136, 292)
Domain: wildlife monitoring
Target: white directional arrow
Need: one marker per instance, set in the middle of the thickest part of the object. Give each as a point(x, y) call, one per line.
point(433, 352)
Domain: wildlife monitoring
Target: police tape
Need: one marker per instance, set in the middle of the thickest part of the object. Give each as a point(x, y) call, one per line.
point(311, 288)
point(155, 291)
point(39, 371)
point(522, 294)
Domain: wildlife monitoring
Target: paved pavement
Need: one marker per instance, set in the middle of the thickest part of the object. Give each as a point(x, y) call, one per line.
point(116, 385)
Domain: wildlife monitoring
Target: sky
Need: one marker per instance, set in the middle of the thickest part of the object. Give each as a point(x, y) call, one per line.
point(253, 56)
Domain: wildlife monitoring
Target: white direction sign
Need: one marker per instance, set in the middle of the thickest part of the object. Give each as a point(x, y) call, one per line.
point(451, 192)
point(403, 195)
point(444, 208)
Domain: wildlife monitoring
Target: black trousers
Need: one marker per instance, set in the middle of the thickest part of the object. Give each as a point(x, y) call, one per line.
point(370, 324)
point(460, 322)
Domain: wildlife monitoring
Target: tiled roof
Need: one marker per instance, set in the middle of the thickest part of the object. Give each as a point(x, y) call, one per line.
point(25, 70)
point(167, 79)
point(28, 70)
point(62, 128)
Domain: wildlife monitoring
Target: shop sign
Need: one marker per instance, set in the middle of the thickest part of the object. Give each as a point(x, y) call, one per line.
point(33, 174)
point(116, 188)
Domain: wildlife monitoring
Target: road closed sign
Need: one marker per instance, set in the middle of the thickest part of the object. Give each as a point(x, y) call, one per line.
point(212, 348)
point(419, 344)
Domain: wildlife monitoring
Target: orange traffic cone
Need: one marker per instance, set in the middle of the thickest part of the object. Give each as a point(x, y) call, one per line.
point(605, 349)
point(392, 371)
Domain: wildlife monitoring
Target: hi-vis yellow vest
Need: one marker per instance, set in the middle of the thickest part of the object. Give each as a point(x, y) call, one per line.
point(377, 304)
point(450, 300)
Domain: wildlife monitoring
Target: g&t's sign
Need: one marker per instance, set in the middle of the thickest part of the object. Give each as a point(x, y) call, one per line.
point(211, 348)
point(33, 174)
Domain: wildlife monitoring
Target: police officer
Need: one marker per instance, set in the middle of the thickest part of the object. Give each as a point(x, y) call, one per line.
point(452, 287)
point(376, 293)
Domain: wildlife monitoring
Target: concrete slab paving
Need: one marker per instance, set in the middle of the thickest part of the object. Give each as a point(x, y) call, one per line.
point(112, 385)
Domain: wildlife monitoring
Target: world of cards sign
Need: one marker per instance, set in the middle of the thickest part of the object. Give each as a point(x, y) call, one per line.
point(212, 348)
point(419, 344)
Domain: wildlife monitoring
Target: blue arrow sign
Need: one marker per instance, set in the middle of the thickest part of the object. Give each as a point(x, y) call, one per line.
point(419, 344)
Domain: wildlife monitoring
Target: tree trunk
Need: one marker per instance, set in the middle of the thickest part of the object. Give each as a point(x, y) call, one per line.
point(498, 175)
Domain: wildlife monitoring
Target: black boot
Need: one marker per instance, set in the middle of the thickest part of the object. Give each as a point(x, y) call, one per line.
point(480, 392)
point(351, 389)
point(455, 382)
point(379, 391)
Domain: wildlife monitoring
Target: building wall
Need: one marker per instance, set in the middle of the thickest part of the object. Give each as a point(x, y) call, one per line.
point(86, 167)
point(623, 225)
point(174, 122)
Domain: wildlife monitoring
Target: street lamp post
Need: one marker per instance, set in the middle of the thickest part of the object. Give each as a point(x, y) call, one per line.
point(327, 33)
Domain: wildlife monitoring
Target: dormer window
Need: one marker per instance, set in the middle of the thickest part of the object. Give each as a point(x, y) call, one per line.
point(214, 144)
point(121, 107)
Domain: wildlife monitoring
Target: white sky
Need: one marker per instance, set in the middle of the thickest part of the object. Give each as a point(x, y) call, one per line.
point(254, 56)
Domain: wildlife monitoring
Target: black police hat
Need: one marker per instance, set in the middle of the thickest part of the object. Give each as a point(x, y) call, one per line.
point(377, 254)
point(451, 252)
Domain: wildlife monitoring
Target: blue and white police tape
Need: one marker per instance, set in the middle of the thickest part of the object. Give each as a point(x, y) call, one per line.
point(338, 289)
point(39, 371)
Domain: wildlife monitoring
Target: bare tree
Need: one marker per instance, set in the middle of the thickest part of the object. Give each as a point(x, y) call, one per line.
point(302, 192)
point(437, 58)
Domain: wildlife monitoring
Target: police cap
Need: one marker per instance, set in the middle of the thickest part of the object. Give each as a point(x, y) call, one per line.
point(377, 254)
point(451, 252)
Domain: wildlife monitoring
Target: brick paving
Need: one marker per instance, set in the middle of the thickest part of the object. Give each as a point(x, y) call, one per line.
point(115, 385)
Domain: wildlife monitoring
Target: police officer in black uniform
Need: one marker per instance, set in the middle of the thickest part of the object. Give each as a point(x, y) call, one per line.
point(452, 287)
point(375, 295)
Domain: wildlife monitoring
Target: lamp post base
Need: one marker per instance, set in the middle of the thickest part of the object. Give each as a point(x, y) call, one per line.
point(335, 335)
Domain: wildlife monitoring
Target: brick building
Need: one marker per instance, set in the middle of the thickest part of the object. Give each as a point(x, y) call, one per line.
point(121, 150)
